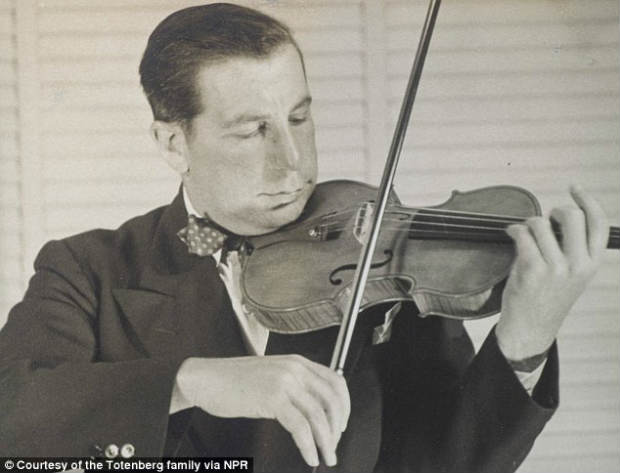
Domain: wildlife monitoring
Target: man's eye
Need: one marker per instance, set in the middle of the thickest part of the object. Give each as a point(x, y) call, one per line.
point(298, 120)
point(260, 129)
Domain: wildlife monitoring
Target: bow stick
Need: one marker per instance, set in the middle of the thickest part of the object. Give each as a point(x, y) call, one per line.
point(347, 327)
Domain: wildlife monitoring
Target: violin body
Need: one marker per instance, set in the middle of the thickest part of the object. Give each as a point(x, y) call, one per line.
point(299, 278)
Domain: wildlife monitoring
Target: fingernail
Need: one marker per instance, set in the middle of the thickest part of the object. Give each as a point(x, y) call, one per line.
point(314, 459)
point(511, 230)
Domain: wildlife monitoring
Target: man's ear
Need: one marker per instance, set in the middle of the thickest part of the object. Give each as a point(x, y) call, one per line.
point(170, 140)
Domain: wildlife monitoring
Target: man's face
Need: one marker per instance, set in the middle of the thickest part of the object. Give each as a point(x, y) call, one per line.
point(252, 153)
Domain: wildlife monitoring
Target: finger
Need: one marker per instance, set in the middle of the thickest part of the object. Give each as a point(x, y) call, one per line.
point(596, 220)
point(343, 394)
point(317, 418)
point(527, 249)
point(546, 241)
point(328, 396)
point(332, 387)
point(573, 224)
point(338, 385)
point(296, 424)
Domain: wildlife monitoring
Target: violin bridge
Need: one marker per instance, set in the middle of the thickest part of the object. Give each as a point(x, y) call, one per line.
point(363, 221)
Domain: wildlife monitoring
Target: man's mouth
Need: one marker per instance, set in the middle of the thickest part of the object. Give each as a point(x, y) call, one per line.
point(283, 198)
point(286, 199)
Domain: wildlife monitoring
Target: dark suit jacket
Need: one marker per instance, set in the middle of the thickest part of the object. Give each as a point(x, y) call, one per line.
point(89, 358)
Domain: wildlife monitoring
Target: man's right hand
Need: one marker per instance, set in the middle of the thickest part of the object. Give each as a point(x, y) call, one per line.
point(308, 399)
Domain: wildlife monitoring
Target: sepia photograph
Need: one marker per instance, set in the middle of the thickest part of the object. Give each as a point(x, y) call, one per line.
point(310, 236)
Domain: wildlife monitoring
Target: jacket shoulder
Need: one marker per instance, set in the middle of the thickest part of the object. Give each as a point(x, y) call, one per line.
point(106, 253)
point(137, 230)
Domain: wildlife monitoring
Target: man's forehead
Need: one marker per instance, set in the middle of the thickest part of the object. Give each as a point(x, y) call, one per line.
point(246, 84)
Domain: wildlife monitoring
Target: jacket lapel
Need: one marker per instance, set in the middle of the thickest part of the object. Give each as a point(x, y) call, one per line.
point(180, 306)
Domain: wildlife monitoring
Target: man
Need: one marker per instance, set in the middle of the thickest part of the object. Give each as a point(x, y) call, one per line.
point(136, 341)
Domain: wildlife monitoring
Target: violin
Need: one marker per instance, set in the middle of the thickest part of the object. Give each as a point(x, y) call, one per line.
point(338, 259)
point(451, 260)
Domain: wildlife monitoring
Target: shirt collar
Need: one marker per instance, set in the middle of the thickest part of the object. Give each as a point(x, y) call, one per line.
point(188, 204)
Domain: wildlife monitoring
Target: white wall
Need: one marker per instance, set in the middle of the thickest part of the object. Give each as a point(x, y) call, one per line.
point(524, 92)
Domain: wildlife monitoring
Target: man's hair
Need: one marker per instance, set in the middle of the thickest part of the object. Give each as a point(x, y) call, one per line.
point(187, 40)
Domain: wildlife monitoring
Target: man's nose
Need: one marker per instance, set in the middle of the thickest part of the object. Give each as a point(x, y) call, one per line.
point(285, 154)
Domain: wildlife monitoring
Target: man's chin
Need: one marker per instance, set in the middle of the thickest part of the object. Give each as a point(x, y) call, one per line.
point(268, 218)
point(281, 216)
point(276, 217)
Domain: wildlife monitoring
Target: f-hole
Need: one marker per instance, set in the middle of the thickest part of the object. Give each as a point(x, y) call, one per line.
point(352, 267)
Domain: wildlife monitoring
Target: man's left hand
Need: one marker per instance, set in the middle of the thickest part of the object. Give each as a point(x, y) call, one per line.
point(548, 276)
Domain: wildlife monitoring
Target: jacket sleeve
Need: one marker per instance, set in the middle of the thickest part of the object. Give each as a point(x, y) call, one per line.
point(56, 398)
point(447, 412)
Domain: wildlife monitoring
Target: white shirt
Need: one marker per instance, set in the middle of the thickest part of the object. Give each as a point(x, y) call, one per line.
point(255, 335)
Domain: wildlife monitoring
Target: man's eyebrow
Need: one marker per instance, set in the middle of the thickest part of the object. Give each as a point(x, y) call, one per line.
point(305, 102)
point(254, 117)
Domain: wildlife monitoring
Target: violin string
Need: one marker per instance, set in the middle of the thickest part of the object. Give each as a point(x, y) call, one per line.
point(432, 211)
point(448, 228)
point(440, 220)
point(350, 211)
point(471, 216)
point(427, 211)
point(614, 232)
point(494, 235)
point(444, 215)
point(425, 217)
point(478, 233)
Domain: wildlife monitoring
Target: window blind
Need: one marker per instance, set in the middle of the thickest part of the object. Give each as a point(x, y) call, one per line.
point(518, 92)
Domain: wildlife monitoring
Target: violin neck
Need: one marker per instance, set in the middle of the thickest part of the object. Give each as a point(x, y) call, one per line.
point(456, 225)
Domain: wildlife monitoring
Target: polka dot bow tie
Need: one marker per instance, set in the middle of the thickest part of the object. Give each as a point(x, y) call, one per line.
point(201, 236)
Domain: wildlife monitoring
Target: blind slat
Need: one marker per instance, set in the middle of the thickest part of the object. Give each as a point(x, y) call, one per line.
point(534, 84)
point(110, 119)
point(582, 422)
point(125, 71)
point(589, 396)
point(137, 6)
point(575, 446)
point(596, 463)
point(558, 36)
point(525, 157)
point(504, 12)
point(132, 45)
point(528, 131)
point(81, 96)
point(492, 61)
point(122, 20)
